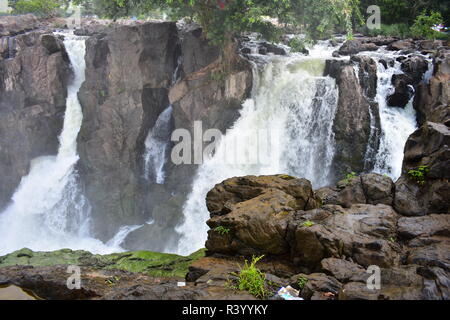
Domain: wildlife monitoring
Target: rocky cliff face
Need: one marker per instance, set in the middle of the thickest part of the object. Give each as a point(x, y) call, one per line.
point(352, 122)
point(129, 82)
point(128, 74)
point(432, 99)
point(34, 72)
point(209, 90)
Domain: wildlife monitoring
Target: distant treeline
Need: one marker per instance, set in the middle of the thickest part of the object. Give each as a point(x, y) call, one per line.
point(222, 19)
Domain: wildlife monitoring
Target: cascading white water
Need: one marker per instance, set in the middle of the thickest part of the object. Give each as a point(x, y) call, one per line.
point(48, 211)
point(397, 124)
point(295, 107)
point(156, 144)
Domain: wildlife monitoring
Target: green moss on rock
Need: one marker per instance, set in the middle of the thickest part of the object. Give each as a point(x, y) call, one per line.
point(151, 263)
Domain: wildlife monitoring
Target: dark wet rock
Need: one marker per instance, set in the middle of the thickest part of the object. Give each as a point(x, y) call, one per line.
point(403, 93)
point(432, 100)
point(266, 47)
point(405, 85)
point(352, 122)
point(397, 283)
point(351, 47)
point(361, 232)
point(401, 45)
point(342, 270)
point(256, 212)
point(367, 74)
point(317, 286)
point(415, 67)
point(33, 90)
point(433, 255)
point(431, 225)
point(369, 188)
point(428, 148)
point(378, 189)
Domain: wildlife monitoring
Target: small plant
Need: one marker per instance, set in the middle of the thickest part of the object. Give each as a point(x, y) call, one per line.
point(419, 174)
point(349, 177)
point(301, 282)
point(298, 45)
point(222, 230)
point(308, 224)
point(251, 279)
point(392, 239)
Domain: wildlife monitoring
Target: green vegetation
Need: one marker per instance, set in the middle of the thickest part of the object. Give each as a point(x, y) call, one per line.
point(348, 178)
point(222, 230)
point(223, 19)
point(423, 23)
point(251, 279)
point(298, 45)
point(419, 175)
point(308, 224)
point(301, 282)
point(151, 263)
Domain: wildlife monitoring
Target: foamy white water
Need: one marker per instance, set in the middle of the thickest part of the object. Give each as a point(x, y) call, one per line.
point(48, 211)
point(295, 105)
point(397, 124)
point(156, 145)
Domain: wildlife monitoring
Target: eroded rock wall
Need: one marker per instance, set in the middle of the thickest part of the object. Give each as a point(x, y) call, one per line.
point(34, 73)
point(128, 75)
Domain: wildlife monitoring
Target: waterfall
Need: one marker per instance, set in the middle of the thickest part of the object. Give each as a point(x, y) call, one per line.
point(48, 210)
point(397, 124)
point(158, 140)
point(294, 106)
point(156, 145)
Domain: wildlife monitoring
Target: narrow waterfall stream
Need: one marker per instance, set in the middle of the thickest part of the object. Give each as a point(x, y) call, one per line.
point(156, 147)
point(291, 114)
point(48, 211)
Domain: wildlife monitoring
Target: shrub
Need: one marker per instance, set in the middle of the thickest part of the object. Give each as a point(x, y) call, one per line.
point(251, 279)
point(299, 45)
point(423, 24)
point(41, 8)
point(419, 174)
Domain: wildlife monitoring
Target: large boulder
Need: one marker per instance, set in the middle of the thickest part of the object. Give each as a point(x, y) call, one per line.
point(352, 125)
point(432, 99)
point(403, 91)
point(33, 90)
point(401, 45)
point(250, 215)
point(371, 188)
point(351, 47)
point(362, 233)
point(406, 84)
point(121, 100)
point(427, 226)
point(426, 155)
